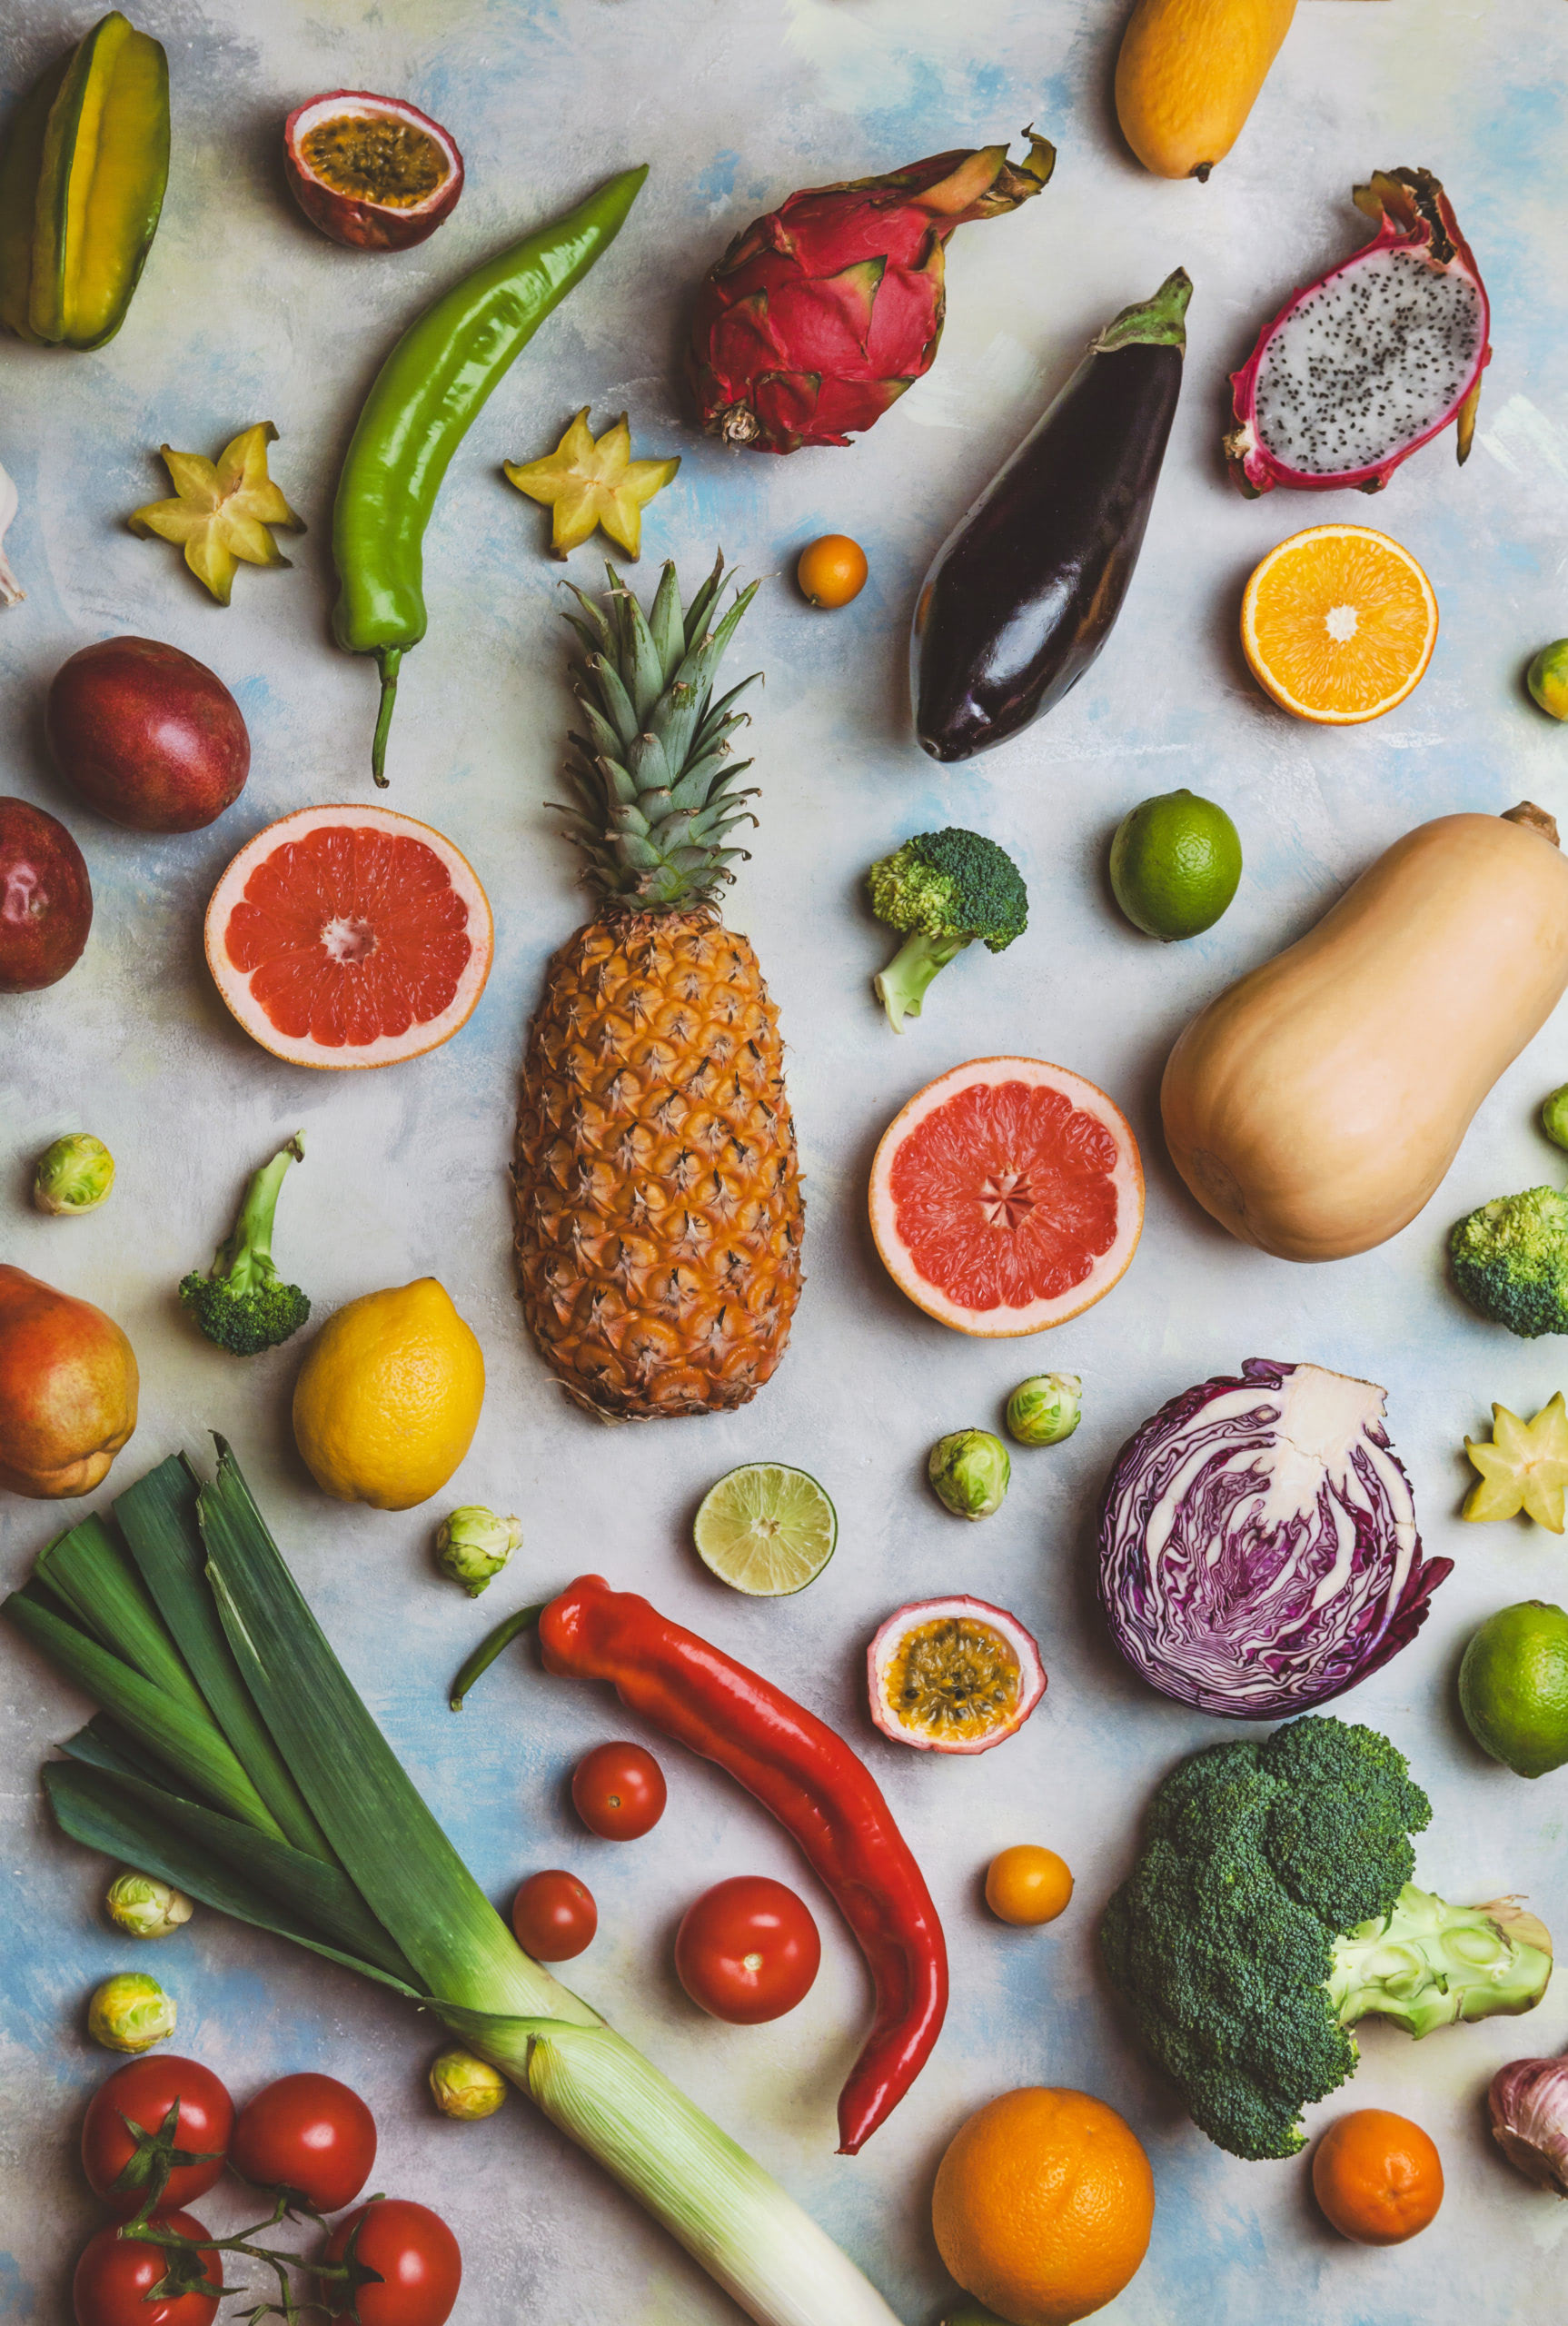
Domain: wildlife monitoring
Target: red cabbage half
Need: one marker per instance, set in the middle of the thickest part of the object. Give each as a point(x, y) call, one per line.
point(1258, 1549)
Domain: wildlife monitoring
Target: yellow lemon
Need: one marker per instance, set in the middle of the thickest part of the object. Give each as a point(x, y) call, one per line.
point(389, 1395)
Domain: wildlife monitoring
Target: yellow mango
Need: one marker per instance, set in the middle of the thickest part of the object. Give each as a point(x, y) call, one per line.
point(1188, 74)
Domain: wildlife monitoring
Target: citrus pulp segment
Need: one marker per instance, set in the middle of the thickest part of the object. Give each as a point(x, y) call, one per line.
point(1007, 1196)
point(349, 937)
point(766, 1529)
point(1338, 624)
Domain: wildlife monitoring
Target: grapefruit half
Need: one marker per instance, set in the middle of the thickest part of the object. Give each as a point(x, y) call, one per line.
point(343, 936)
point(1007, 1196)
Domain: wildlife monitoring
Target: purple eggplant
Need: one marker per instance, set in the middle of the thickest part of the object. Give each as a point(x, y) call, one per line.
point(1023, 595)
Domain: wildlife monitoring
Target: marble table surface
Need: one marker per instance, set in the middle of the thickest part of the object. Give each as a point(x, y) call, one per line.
point(246, 313)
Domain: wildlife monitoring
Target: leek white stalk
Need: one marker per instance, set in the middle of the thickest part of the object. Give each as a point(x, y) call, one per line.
point(11, 590)
point(298, 1817)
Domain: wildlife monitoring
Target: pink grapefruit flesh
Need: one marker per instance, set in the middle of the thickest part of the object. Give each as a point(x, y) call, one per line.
point(349, 937)
point(1007, 1196)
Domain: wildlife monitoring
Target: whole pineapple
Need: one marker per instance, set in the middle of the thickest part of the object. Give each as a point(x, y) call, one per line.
point(659, 1203)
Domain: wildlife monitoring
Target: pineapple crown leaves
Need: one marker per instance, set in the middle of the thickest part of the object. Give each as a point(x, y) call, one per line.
point(653, 778)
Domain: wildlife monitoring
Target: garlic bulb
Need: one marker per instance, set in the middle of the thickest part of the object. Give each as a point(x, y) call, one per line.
point(11, 590)
point(1529, 2103)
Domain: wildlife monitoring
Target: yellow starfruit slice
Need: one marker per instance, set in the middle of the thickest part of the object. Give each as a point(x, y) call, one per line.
point(593, 486)
point(1523, 1467)
point(221, 510)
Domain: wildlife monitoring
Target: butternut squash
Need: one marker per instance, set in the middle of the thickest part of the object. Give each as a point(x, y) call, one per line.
point(1188, 74)
point(1313, 1107)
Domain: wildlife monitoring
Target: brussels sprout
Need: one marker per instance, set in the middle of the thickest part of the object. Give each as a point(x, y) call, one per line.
point(969, 1470)
point(131, 2014)
point(1045, 1408)
point(465, 2087)
point(473, 1545)
point(143, 1907)
point(73, 1175)
point(1555, 1116)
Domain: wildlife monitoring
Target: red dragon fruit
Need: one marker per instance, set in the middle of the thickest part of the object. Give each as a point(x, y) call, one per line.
point(1358, 370)
point(821, 314)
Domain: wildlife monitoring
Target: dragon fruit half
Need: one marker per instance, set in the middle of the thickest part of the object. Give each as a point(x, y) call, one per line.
point(1360, 368)
point(821, 314)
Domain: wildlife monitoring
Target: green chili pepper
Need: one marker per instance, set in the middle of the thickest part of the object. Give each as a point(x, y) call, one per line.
point(426, 395)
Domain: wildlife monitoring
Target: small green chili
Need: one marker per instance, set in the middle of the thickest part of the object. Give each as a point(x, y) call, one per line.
point(426, 395)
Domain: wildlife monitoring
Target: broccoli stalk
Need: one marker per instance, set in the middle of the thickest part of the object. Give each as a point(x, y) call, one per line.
point(243, 1304)
point(1509, 1260)
point(1271, 1907)
point(1427, 1964)
point(944, 889)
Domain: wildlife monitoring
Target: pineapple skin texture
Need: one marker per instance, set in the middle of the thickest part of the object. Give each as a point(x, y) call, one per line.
point(660, 1210)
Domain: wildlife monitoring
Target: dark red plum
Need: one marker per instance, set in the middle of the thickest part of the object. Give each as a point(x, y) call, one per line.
point(45, 898)
point(147, 735)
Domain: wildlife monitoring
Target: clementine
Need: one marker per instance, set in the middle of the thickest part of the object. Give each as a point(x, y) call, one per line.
point(1043, 2205)
point(1378, 2176)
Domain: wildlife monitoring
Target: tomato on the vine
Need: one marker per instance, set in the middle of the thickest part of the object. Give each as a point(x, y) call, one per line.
point(555, 1917)
point(619, 1791)
point(411, 2250)
point(144, 2092)
point(115, 2275)
point(747, 1950)
point(309, 2134)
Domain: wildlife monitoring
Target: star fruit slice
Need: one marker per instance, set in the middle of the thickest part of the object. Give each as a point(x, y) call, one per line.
point(591, 486)
point(1525, 1466)
point(221, 510)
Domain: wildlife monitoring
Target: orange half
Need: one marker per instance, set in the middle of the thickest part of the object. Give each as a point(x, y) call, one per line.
point(1338, 624)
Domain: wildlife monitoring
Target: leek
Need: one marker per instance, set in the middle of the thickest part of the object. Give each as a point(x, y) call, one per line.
point(254, 1780)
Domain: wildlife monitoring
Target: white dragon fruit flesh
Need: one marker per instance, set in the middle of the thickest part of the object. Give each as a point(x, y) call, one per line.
point(1362, 367)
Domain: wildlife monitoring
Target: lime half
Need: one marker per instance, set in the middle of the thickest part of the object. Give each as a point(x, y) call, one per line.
point(766, 1529)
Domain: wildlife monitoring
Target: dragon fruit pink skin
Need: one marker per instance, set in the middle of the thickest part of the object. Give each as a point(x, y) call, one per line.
point(822, 312)
point(1361, 368)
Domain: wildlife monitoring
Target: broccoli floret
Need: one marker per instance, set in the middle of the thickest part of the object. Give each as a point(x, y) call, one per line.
point(1509, 1260)
point(1271, 1907)
point(243, 1304)
point(946, 888)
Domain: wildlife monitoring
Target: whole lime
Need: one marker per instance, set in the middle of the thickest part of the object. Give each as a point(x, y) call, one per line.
point(1514, 1687)
point(1547, 677)
point(1176, 864)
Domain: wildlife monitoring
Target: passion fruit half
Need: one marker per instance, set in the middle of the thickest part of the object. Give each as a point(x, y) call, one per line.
point(373, 172)
point(953, 1676)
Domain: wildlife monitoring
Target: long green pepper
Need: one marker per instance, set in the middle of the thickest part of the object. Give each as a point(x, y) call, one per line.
point(427, 394)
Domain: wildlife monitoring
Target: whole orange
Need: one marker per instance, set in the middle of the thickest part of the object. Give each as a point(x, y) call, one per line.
point(1043, 2205)
point(1378, 2176)
point(1028, 1885)
point(831, 571)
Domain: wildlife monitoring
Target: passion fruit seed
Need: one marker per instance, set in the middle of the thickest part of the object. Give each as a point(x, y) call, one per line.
point(953, 1676)
point(376, 158)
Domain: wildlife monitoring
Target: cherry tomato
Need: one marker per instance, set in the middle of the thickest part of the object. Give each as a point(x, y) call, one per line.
point(309, 2134)
point(115, 2275)
point(144, 2092)
point(620, 1792)
point(415, 2255)
point(831, 571)
point(747, 1950)
point(555, 1917)
point(1028, 1885)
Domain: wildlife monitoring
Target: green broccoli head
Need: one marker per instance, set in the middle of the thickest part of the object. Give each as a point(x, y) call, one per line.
point(945, 890)
point(1225, 1937)
point(243, 1304)
point(1510, 1261)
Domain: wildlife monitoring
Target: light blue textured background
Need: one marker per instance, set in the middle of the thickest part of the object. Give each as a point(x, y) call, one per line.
point(246, 313)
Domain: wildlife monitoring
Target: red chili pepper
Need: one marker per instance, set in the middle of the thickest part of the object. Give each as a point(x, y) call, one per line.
point(819, 1791)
